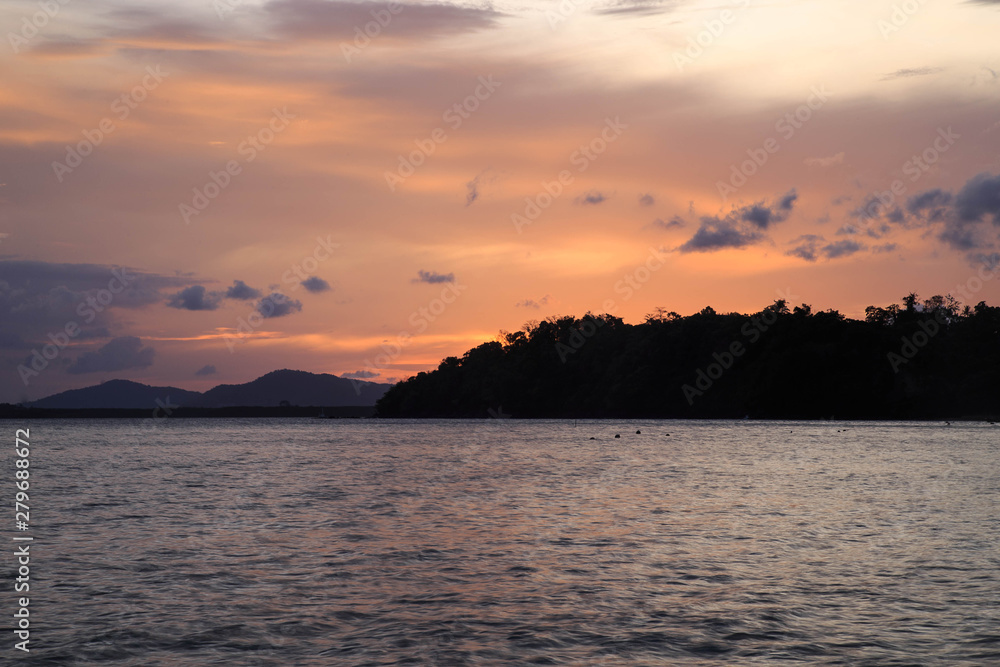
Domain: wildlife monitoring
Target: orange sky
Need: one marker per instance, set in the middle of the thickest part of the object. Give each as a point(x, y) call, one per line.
point(642, 108)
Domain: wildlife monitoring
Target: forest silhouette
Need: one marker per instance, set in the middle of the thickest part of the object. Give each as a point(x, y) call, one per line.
point(934, 359)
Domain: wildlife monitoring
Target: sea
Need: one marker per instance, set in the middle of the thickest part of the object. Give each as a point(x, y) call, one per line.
point(507, 542)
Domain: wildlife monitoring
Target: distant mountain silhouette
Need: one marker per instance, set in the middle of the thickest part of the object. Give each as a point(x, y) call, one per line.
point(297, 388)
point(117, 394)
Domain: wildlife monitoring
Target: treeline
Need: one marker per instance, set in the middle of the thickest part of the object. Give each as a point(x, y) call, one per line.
point(934, 359)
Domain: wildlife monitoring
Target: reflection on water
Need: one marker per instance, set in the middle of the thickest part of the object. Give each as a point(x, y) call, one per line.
point(337, 542)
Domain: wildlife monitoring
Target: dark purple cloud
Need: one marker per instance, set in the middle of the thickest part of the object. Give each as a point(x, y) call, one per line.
point(433, 277)
point(592, 198)
point(240, 290)
point(742, 227)
point(195, 297)
point(315, 285)
point(277, 304)
point(118, 354)
point(360, 375)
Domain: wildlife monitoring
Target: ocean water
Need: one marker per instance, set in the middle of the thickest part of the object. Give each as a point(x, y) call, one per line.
point(366, 542)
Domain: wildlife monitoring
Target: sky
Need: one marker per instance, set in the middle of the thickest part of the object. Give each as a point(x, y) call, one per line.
point(197, 193)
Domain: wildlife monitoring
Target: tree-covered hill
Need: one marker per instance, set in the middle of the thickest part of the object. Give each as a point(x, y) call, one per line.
point(934, 359)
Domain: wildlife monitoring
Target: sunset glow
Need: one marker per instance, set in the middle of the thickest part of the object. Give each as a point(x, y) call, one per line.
point(463, 169)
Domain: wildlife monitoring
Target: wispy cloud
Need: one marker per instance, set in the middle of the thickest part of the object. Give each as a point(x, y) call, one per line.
point(533, 303)
point(592, 198)
point(829, 161)
point(433, 277)
point(911, 72)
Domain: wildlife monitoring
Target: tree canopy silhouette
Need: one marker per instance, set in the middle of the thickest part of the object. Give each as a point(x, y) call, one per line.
point(934, 359)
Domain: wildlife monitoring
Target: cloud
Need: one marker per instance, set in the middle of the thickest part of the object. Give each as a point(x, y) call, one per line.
point(675, 222)
point(874, 209)
point(473, 187)
point(896, 215)
point(988, 262)
point(885, 247)
point(916, 71)
point(962, 215)
point(759, 216)
point(961, 237)
point(277, 304)
point(433, 277)
point(762, 216)
point(809, 249)
point(637, 7)
point(825, 161)
point(592, 198)
point(65, 46)
point(875, 230)
point(787, 202)
point(360, 375)
point(930, 205)
point(118, 354)
point(646, 200)
point(208, 369)
point(13, 341)
point(240, 290)
point(316, 285)
point(140, 288)
point(842, 249)
point(38, 298)
point(338, 20)
point(715, 234)
point(742, 227)
point(532, 303)
point(195, 297)
point(472, 194)
point(979, 199)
